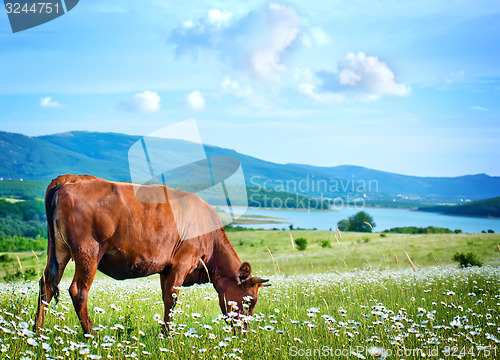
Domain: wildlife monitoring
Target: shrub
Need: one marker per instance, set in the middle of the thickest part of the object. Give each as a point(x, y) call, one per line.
point(466, 260)
point(359, 222)
point(29, 274)
point(325, 243)
point(382, 235)
point(301, 243)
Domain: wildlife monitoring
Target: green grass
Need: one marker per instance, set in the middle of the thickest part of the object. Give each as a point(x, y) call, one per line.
point(316, 301)
point(353, 251)
point(357, 250)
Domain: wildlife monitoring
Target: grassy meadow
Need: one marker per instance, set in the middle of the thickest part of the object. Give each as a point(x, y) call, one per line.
point(347, 299)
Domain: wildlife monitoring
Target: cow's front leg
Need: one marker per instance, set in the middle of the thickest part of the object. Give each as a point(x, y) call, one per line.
point(170, 285)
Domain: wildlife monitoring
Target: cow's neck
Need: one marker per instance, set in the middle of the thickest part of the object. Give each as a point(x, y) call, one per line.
point(225, 263)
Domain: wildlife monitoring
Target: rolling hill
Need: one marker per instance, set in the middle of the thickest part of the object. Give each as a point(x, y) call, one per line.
point(106, 155)
point(481, 208)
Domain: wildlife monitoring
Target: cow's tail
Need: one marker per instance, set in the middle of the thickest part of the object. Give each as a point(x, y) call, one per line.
point(53, 273)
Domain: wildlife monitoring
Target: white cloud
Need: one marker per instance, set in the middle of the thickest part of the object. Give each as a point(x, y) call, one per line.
point(254, 43)
point(188, 24)
point(358, 77)
point(480, 108)
point(195, 100)
point(313, 92)
point(47, 102)
point(320, 37)
point(146, 102)
point(370, 75)
point(234, 88)
point(283, 30)
point(219, 17)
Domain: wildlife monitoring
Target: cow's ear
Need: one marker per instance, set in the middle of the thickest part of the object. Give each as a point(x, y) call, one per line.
point(243, 273)
point(257, 280)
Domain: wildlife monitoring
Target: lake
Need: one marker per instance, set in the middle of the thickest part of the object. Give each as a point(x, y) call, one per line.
point(384, 219)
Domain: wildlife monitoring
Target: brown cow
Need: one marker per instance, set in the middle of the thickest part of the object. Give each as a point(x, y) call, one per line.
point(103, 225)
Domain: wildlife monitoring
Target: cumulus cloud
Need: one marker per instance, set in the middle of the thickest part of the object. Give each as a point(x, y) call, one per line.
point(358, 76)
point(47, 102)
point(316, 36)
point(234, 88)
point(146, 102)
point(254, 43)
point(219, 17)
point(195, 100)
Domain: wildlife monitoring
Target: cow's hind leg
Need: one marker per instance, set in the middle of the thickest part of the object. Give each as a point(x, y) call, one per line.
point(86, 261)
point(46, 292)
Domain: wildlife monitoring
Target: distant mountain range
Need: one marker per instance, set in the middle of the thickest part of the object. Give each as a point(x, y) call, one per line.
point(478, 186)
point(106, 155)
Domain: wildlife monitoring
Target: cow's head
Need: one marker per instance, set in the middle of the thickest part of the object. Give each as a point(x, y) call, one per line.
point(241, 295)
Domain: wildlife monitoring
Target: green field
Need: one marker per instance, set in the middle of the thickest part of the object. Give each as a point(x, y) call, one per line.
point(350, 300)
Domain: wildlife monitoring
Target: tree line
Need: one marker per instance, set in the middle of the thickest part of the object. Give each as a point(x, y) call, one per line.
point(22, 225)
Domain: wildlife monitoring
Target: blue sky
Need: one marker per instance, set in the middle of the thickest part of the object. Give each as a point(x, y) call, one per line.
point(407, 87)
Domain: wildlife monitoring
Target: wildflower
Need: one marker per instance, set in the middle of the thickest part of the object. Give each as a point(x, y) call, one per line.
point(23, 325)
point(94, 357)
point(456, 323)
point(297, 339)
point(98, 310)
point(108, 338)
point(268, 328)
point(378, 352)
point(32, 342)
point(156, 317)
point(223, 344)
